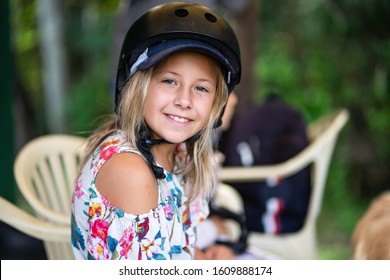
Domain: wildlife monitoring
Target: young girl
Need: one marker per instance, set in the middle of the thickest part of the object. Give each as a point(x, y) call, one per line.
point(149, 171)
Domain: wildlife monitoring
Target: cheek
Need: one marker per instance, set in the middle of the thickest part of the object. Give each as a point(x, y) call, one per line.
point(151, 105)
point(205, 108)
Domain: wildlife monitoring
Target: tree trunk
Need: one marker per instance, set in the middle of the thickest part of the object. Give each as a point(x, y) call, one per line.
point(51, 29)
point(246, 23)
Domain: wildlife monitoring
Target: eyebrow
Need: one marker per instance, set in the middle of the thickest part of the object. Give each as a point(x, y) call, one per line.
point(177, 74)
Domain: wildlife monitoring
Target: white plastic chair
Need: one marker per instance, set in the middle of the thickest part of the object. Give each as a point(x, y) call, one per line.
point(31, 225)
point(45, 170)
point(323, 134)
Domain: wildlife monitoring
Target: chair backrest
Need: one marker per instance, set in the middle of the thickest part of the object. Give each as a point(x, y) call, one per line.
point(323, 134)
point(45, 170)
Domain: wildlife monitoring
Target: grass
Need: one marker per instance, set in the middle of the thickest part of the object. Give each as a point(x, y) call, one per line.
point(333, 242)
point(335, 226)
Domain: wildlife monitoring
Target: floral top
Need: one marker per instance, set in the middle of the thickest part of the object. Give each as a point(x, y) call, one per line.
point(102, 231)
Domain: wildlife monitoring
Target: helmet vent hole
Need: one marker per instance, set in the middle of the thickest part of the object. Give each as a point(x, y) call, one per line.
point(181, 12)
point(210, 17)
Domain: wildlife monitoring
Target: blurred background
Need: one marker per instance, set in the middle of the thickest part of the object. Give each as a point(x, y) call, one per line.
point(59, 58)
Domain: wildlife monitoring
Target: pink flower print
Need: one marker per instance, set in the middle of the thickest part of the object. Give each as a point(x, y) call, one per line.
point(112, 142)
point(126, 241)
point(100, 229)
point(108, 152)
point(196, 205)
point(197, 208)
point(168, 210)
point(100, 251)
point(78, 192)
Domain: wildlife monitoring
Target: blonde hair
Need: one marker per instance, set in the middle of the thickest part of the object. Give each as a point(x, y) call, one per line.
point(199, 172)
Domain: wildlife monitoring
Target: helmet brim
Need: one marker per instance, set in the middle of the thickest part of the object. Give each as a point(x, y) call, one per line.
point(158, 52)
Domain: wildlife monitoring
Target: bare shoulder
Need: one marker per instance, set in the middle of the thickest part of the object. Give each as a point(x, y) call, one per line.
point(128, 183)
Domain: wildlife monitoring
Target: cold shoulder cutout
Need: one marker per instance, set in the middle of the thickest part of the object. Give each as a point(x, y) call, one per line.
point(102, 231)
point(127, 181)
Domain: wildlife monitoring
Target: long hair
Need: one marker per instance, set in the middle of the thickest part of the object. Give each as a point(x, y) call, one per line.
point(199, 172)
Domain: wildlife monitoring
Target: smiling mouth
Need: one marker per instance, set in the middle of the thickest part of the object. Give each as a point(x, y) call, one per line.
point(178, 119)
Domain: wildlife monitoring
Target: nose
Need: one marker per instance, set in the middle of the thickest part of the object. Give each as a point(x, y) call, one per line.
point(183, 98)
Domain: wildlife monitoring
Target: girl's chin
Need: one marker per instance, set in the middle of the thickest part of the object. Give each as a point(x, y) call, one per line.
point(177, 140)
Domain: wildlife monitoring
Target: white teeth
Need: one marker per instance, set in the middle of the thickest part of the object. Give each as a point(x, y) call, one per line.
point(178, 119)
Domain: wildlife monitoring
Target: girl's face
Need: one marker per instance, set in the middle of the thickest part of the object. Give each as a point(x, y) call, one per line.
point(180, 97)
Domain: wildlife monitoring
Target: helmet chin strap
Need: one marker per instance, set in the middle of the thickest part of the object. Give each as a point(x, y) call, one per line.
point(151, 142)
point(144, 143)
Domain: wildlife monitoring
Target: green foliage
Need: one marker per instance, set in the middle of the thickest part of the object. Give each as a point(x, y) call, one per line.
point(25, 45)
point(90, 32)
point(90, 99)
point(89, 44)
point(324, 55)
point(319, 55)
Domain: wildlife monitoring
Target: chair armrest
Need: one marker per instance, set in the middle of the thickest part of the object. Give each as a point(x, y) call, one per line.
point(32, 226)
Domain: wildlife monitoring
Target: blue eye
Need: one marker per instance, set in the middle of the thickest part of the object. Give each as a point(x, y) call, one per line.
point(169, 81)
point(202, 89)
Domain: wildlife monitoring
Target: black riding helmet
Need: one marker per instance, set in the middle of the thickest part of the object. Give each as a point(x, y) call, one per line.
point(173, 27)
point(167, 29)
